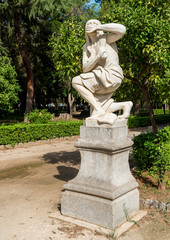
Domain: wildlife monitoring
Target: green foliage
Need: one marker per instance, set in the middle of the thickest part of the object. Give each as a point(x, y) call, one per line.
point(67, 44)
point(35, 19)
point(20, 133)
point(143, 50)
point(160, 111)
point(39, 116)
point(39, 8)
point(142, 113)
point(9, 86)
point(152, 154)
point(135, 121)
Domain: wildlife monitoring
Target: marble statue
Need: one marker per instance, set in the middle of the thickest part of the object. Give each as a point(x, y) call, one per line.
point(102, 73)
point(104, 185)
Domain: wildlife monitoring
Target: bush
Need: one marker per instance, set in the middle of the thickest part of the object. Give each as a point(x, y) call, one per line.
point(142, 113)
point(162, 119)
point(160, 111)
point(39, 116)
point(20, 133)
point(152, 154)
point(135, 121)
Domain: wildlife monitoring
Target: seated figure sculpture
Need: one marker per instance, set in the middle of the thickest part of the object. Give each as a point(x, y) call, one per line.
point(102, 73)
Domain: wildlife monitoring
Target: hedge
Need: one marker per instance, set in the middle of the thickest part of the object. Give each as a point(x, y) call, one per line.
point(160, 111)
point(144, 112)
point(22, 132)
point(135, 121)
point(16, 133)
point(152, 154)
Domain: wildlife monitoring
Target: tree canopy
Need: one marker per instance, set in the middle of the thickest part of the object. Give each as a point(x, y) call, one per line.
point(29, 26)
point(144, 49)
point(67, 43)
point(9, 87)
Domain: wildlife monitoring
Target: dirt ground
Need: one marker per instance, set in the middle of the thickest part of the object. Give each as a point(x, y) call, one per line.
point(31, 180)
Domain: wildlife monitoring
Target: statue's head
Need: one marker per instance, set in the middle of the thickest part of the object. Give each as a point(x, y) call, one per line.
point(92, 23)
point(89, 26)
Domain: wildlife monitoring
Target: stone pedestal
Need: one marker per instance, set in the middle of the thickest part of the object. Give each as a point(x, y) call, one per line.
point(104, 188)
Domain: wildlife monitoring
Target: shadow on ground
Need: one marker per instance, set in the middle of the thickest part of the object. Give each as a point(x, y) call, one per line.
point(72, 158)
point(66, 173)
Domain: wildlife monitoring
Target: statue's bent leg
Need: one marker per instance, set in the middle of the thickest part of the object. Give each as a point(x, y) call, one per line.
point(77, 83)
point(125, 106)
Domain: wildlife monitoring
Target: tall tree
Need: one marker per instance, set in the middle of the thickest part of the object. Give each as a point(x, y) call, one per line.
point(67, 45)
point(9, 87)
point(26, 18)
point(144, 49)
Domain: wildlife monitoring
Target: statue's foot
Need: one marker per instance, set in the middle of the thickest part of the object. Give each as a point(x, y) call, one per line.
point(108, 118)
point(97, 114)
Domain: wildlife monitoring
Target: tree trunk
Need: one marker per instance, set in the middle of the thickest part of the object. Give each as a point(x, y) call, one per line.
point(164, 108)
point(161, 186)
point(71, 101)
point(148, 102)
point(150, 109)
point(30, 81)
point(70, 98)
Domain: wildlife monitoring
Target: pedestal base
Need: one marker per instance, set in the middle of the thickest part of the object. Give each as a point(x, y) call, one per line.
point(103, 212)
point(104, 189)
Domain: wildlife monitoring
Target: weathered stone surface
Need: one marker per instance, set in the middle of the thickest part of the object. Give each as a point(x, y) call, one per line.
point(108, 134)
point(98, 229)
point(104, 138)
point(104, 212)
point(162, 206)
point(104, 183)
point(155, 204)
point(103, 174)
point(104, 163)
point(168, 207)
point(93, 123)
point(148, 203)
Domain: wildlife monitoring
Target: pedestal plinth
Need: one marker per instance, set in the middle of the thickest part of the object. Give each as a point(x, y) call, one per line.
point(104, 187)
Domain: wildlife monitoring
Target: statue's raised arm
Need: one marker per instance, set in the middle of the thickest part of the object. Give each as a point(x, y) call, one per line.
point(116, 31)
point(102, 73)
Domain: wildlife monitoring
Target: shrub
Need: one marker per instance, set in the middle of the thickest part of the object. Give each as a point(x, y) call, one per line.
point(162, 119)
point(142, 113)
point(135, 121)
point(152, 154)
point(160, 111)
point(20, 133)
point(39, 116)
